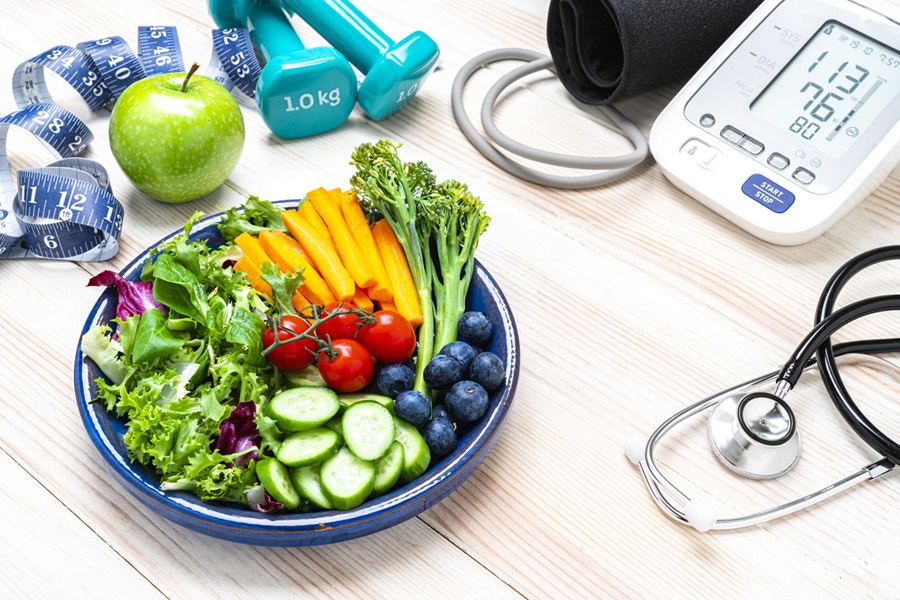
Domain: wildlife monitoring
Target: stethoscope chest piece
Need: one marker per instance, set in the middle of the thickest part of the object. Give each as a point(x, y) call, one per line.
point(755, 435)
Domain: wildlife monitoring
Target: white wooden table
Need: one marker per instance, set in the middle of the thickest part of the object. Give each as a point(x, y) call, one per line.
point(631, 300)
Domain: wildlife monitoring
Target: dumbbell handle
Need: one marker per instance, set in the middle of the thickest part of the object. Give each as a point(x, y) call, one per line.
point(271, 32)
point(344, 27)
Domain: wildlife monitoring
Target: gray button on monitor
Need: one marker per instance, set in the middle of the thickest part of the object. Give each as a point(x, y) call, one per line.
point(779, 161)
point(732, 135)
point(804, 176)
point(751, 146)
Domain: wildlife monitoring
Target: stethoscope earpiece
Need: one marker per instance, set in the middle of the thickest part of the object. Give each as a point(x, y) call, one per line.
point(755, 435)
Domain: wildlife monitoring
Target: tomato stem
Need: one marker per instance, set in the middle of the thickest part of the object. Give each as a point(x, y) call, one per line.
point(315, 314)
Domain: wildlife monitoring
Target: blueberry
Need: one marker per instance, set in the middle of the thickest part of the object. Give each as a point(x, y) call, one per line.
point(467, 401)
point(412, 407)
point(440, 412)
point(442, 372)
point(395, 378)
point(475, 327)
point(487, 369)
point(440, 438)
point(462, 352)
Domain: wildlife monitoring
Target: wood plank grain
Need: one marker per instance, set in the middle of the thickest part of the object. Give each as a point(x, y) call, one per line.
point(45, 548)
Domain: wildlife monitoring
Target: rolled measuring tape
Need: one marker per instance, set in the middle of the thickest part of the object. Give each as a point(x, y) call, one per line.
point(66, 210)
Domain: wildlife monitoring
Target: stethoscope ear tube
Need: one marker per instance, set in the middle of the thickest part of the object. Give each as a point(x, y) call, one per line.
point(826, 327)
point(826, 354)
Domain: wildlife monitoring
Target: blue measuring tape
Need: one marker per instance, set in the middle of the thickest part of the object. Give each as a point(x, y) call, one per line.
point(66, 210)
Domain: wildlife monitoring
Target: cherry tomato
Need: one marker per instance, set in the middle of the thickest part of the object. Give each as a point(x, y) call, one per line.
point(341, 327)
point(293, 356)
point(390, 339)
point(351, 370)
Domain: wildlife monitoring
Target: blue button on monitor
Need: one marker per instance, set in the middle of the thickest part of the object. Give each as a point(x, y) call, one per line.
point(768, 193)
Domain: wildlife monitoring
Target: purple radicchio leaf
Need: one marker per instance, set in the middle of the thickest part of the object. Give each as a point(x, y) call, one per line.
point(270, 505)
point(135, 297)
point(259, 500)
point(238, 432)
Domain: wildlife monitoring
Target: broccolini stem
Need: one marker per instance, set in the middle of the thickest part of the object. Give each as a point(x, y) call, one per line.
point(426, 342)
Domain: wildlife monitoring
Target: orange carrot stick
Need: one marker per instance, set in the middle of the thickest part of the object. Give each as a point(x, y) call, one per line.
point(246, 266)
point(287, 253)
point(252, 249)
point(362, 235)
point(361, 300)
point(328, 206)
point(308, 211)
point(387, 305)
point(406, 296)
point(299, 301)
point(327, 262)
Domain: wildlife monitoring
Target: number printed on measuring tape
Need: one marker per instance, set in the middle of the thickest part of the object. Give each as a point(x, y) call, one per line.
point(233, 54)
point(116, 62)
point(67, 210)
point(63, 211)
point(30, 87)
point(159, 50)
point(101, 70)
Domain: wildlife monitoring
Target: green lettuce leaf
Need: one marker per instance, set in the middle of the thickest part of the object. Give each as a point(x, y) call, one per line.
point(153, 340)
point(97, 344)
point(178, 288)
point(256, 216)
point(284, 286)
point(246, 328)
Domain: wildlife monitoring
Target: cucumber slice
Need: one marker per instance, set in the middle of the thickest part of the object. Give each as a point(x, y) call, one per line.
point(308, 447)
point(334, 423)
point(274, 476)
point(309, 485)
point(349, 399)
point(368, 429)
point(308, 377)
point(346, 479)
point(300, 409)
point(416, 455)
point(388, 469)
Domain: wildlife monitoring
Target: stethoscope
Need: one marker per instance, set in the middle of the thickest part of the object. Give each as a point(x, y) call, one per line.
point(754, 433)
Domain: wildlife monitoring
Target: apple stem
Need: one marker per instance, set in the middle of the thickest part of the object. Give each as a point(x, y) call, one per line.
point(194, 68)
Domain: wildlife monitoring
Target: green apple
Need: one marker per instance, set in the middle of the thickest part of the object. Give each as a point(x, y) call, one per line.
point(176, 136)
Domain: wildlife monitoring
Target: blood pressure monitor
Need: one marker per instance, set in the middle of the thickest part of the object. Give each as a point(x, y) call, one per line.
point(793, 121)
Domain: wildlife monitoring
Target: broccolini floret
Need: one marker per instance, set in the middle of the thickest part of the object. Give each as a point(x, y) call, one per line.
point(438, 226)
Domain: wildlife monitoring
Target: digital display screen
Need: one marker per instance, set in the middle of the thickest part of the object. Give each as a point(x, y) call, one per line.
point(833, 89)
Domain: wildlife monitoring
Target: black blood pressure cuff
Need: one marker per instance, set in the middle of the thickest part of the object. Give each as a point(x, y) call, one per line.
point(609, 50)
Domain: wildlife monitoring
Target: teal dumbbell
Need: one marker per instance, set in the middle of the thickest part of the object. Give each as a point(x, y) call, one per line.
point(394, 71)
point(301, 91)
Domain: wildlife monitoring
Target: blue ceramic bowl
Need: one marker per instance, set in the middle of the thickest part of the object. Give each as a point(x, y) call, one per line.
point(239, 524)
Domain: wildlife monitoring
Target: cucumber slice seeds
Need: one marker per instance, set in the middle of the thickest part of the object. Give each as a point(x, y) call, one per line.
point(300, 409)
point(308, 447)
point(368, 429)
point(347, 480)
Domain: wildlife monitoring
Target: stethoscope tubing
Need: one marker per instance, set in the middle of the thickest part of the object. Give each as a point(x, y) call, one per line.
point(662, 489)
point(826, 354)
